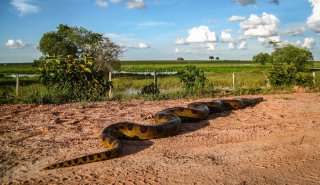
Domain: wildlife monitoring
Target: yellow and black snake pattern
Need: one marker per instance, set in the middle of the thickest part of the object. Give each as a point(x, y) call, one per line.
point(167, 123)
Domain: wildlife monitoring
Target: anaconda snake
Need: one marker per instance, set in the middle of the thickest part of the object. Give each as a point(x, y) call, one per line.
point(167, 123)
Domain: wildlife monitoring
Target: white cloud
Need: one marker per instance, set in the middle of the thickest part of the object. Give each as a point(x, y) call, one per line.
point(127, 41)
point(226, 36)
point(246, 2)
point(143, 45)
point(264, 28)
point(211, 46)
point(177, 50)
point(309, 43)
point(201, 34)
point(101, 3)
point(24, 6)
point(265, 40)
point(314, 19)
point(231, 45)
point(243, 45)
point(181, 41)
point(140, 45)
point(295, 31)
point(13, 44)
point(236, 18)
point(131, 4)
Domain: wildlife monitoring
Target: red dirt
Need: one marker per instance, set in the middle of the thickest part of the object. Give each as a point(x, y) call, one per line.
point(274, 142)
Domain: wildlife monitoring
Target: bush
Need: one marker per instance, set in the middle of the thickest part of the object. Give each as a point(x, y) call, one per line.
point(290, 66)
point(73, 77)
point(150, 89)
point(261, 58)
point(193, 78)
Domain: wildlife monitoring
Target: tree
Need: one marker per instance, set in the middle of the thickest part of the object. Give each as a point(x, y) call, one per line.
point(211, 58)
point(217, 58)
point(180, 59)
point(75, 41)
point(261, 58)
point(290, 66)
point(76, 62)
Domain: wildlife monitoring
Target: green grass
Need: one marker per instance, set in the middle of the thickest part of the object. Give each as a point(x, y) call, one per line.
point(250, 80)
point(23, 68)
point(169, 66)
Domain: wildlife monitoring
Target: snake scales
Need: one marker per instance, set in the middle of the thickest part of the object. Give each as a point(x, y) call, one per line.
point(167, 123)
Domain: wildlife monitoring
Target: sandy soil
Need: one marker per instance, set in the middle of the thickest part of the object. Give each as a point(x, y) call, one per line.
point(275, 142)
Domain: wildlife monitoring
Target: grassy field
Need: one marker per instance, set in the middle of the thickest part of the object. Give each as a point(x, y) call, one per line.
point(218, 73)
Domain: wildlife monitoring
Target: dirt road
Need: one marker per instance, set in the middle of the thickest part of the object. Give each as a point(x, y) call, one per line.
point(274, 142)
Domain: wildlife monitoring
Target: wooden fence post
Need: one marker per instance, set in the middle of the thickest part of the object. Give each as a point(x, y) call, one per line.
point(110, 80)
point(314, 77)
point(17, 84)
point(155, 81)
point(234, 81)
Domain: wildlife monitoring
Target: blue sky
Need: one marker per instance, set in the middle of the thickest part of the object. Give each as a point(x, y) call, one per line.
point(164, 29)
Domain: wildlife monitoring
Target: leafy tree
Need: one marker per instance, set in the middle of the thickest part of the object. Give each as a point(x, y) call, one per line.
point(75, 41)
point(75, 62)
point(217, 58)
point(180, 59)
point(290, 66)
point(261, 58)
point(193, 78)
point(211, 58)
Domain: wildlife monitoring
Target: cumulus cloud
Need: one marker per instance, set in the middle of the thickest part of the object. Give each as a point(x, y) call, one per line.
point(226, 36)
point(295, 31)
point(265, 40)
point(246, 2)
point(309, 43)
point(201, 34)
point(24, 6)
point(243, 45)
point(13, 44)
point(181, 41)
point(131, 4)
point(101, 3)
point(313, 20)
point(236, 18)
point(264, 28)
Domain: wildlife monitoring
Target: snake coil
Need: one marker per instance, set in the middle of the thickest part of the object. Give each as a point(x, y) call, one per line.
point(167, 123)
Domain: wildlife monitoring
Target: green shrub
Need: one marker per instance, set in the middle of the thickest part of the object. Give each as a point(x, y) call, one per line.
point(261, 58)
point(193, 79)
point(150, 89)
point(73, 78)
point(290, 66)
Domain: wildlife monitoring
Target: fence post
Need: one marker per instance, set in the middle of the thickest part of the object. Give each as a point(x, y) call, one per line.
point(155, 81)
point(110, 80)
point(17, 84)
point(234, 80)
point(314, 77)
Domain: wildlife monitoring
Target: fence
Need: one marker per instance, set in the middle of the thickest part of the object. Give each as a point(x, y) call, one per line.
point(236, 82)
